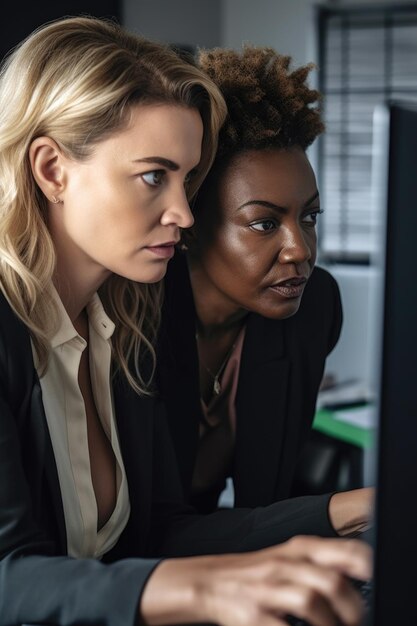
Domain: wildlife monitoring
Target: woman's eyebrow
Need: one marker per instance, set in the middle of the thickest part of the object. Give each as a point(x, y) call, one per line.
point(170, 165)
point(313, 197)
point(276, 207)
point(265, 203)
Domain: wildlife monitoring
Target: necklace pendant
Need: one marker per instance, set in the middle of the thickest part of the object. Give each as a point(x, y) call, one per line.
point(216, 386)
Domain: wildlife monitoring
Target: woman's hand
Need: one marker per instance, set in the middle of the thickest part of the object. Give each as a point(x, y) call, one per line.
point(351, 512)
point(304, 577)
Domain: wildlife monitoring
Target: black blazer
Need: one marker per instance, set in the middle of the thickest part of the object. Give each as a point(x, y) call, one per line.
point(281, 370)
point(39, 583)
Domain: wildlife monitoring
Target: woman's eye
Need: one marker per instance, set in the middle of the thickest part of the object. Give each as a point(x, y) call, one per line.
point(154, 178)
point(263, 226)
point(311, 218)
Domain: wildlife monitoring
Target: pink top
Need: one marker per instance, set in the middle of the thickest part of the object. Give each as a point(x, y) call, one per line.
point(217, 429)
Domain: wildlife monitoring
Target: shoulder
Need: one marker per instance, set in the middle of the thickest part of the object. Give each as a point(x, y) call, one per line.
point(177, 276)
point(9, 322)
point(321, 307)
point(15, 348)
point(11, 327)
point(178, 305)
point(176, 341)
point(321, 283)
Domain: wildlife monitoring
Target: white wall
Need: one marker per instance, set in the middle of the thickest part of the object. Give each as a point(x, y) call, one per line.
point(367, 2)
point(354, 356)
point(283, 24)
point(287, 25)
point(195, 22)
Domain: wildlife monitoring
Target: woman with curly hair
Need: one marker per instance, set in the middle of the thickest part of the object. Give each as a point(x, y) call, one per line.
point(103, 135)
point(241, 375)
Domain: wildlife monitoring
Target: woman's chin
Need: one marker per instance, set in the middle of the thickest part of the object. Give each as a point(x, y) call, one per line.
point(281, 312)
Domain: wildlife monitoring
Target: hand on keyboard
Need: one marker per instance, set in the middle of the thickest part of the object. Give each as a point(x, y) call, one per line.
point(364, 588)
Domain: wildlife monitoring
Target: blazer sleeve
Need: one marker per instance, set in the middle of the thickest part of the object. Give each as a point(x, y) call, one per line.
point(177, 530)
point(37, 585)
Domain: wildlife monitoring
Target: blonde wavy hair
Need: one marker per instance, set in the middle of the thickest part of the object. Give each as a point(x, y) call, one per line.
point(75, 80)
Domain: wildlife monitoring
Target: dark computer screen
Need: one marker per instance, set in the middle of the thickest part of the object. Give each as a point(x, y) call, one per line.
point(395, 593)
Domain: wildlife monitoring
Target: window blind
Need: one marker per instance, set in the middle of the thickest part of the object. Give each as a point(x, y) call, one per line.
point(366, 56)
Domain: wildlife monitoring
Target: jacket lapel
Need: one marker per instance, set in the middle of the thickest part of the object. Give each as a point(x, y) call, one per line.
point(134, 416)
point(177, 367)
point(44, 463)
point(25, 398)
point(262, 412)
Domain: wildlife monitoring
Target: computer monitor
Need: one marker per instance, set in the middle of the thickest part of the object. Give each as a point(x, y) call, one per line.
point(395, 186)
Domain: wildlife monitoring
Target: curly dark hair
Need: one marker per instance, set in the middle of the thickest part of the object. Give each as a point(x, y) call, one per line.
point(269, 106)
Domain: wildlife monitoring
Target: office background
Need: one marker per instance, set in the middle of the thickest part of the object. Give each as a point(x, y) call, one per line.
point(290, 26)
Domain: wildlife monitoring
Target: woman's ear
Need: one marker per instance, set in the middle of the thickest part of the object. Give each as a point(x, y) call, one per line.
point(48, 167)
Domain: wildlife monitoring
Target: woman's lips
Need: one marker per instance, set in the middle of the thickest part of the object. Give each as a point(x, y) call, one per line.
point(164, 251)
point(292, 288)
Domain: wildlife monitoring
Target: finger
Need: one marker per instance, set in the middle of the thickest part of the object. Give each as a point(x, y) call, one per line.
point(350, 556)
point(302, 602)
point(333, 587)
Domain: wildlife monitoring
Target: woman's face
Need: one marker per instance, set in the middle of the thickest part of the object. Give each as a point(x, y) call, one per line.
point(123, 208)
point(255, 233)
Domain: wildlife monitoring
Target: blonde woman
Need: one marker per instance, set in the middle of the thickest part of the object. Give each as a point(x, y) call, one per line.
point(103, 137)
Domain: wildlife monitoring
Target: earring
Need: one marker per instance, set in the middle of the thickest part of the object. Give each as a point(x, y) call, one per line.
point(55, 200)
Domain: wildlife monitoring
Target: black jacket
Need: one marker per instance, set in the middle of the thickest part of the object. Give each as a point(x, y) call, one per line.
point(39, 583)
point(281, 369)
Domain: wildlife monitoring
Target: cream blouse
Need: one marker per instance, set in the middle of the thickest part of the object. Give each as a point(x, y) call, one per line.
point(67, 423)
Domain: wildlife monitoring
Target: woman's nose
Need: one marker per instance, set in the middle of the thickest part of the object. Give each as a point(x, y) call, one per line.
point(178, 211)
point(295, 248)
